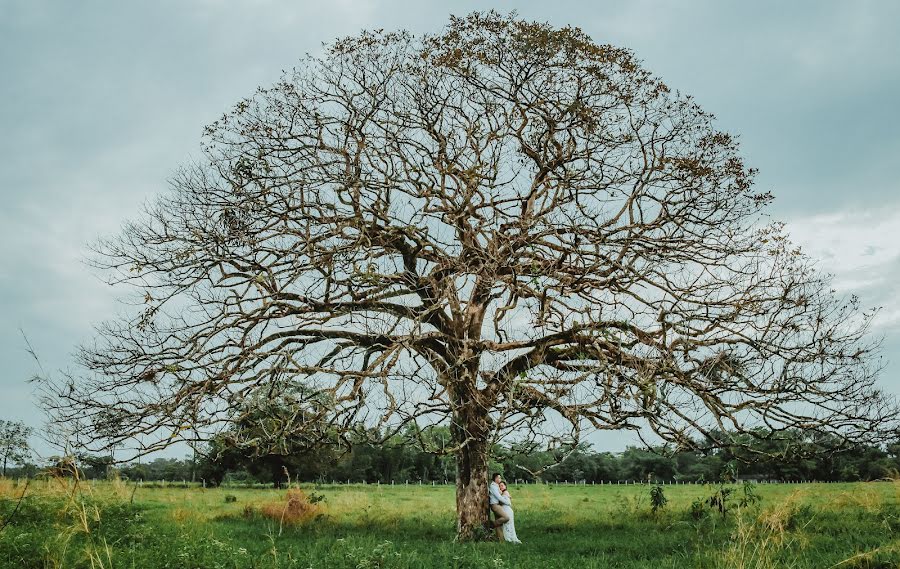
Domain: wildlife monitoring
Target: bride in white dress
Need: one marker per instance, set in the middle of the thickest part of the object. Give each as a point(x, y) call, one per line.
point(509, 528)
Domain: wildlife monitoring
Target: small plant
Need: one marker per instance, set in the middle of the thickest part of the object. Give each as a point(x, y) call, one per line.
point(382, 555)
point(658, 498)
point(698, 509)
point(720, 499)
point(230, 498)
point(632, 505)
point(729, 472)
point(724, 499)
point(749, 497)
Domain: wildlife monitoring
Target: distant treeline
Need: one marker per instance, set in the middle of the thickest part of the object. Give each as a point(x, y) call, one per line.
point(791, 457)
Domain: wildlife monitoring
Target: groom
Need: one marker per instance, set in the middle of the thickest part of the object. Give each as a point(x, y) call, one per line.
point(497, 501)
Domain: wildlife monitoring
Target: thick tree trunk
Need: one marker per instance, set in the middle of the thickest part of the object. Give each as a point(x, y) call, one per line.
point(470, 428)
point(472, 492)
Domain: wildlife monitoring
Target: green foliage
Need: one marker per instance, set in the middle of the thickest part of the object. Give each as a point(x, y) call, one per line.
point(382, 555)
point(698, 509)
point(724, 498)
point(720, 500)
point(749, 496)
point(795, 457)
point(658, 498)
point(13, 444)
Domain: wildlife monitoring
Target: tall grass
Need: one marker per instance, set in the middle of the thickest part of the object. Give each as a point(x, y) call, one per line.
point(73, 523)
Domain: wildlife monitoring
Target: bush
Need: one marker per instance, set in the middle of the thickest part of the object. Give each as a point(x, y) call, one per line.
point(658, 498)
point(296, 509)
point(698, 509)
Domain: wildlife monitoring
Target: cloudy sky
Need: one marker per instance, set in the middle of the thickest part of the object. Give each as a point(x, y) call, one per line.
point(101, 101)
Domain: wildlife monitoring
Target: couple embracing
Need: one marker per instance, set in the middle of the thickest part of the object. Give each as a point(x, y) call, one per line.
point(501, 505)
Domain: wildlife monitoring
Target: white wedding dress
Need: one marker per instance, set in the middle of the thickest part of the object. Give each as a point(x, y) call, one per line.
point(509, 528)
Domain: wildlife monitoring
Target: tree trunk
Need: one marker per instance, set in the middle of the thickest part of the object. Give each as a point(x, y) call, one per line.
point(472, 492)
point(470, 428)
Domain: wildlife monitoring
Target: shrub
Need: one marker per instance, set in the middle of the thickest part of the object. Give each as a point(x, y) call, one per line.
point(698, 509)
point(296, 509)
point(658, 498)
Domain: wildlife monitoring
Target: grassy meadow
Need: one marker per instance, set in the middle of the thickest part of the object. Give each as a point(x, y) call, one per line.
point(117, 525)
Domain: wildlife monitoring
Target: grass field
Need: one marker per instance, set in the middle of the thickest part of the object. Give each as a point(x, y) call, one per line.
point(116, 525)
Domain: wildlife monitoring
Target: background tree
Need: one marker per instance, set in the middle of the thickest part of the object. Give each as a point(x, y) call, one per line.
point(274, 431)
point(829, 460)
point(504, 228)
point(93, 466)
point(14, 443)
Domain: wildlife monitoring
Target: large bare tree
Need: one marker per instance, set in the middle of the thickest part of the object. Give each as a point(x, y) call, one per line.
point(504, 227)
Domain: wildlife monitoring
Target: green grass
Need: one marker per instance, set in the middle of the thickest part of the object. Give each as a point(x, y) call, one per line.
point(804, 526)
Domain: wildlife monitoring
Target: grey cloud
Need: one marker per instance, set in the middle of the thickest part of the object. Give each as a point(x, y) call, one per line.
point(100, 102)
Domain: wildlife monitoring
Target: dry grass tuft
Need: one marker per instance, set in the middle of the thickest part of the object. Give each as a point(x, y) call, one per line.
point(295, 509)
point(776, 521)
point(9, 488)
point(867, 500)
point(186, 516)
point(769, 539)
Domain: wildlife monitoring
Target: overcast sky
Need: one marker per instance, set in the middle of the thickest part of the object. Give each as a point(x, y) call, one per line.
point(101, 101)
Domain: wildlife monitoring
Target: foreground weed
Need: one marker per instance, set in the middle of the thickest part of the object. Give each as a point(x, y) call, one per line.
point(81, 532)
point(770, 539)
point(751, 547)
point(658, 498)
point(384, 555)
point(884, 557)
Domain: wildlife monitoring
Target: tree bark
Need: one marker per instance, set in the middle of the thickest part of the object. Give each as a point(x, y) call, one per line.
point(470, 429)
point(472, 492)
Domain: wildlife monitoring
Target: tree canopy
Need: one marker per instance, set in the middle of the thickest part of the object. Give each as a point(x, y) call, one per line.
point(505, 228)
point(14, 447)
